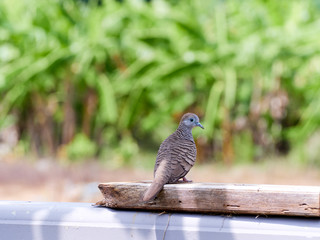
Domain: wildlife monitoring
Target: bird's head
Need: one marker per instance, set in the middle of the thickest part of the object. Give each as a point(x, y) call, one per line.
point(190, 120)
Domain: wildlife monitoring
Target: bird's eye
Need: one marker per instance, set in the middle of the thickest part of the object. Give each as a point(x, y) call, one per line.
point(191, 119)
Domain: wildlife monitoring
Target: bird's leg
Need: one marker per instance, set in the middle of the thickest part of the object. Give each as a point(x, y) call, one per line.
point(184, 180)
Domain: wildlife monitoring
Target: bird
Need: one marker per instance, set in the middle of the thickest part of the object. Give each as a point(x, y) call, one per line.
point(176, 156)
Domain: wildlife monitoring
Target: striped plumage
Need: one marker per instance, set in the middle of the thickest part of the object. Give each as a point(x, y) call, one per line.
point(176, 156)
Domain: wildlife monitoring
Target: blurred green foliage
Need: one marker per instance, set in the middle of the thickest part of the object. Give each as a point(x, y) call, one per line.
point(91, 78)
point(81, 148)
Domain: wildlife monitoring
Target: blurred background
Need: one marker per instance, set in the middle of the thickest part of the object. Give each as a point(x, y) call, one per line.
point(89, 89)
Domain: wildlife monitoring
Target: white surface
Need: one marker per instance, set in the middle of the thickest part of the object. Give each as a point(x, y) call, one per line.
point(67, 221)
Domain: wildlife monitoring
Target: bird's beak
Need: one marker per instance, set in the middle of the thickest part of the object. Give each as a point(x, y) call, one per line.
point(199, 125)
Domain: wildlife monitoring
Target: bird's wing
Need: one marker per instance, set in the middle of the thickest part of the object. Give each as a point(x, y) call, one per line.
point(164, 154)
point(183, 156)
point(174, 160)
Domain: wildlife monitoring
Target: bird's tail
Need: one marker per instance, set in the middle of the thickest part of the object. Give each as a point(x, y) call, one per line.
point(152, 191)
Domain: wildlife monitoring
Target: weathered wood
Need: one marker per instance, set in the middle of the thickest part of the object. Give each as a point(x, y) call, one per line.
point(216, 198)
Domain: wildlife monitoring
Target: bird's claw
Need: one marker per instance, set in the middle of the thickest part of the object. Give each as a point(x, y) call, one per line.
point(185, 180)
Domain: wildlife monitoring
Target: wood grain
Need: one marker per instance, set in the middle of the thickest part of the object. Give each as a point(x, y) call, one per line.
point(216, 198)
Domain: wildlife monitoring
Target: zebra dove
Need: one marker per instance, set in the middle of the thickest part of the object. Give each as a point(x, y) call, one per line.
point(176, 156)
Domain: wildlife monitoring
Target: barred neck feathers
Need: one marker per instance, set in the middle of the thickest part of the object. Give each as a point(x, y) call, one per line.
point(184, 133)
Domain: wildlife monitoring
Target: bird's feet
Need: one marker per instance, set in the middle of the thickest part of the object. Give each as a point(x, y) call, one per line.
point(185, 180)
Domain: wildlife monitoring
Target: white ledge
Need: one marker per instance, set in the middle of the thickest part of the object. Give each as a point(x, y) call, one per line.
point(64, 221)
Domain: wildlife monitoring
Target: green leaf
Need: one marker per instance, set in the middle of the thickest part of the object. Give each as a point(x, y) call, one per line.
point(213, 104)
point(107, 101)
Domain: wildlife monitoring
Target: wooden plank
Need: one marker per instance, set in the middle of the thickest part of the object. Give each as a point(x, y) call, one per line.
point(216, 198)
